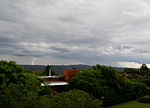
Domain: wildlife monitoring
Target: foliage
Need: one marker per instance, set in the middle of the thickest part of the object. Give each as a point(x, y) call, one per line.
point(109, 75)
point(12, 97)
point(144, 67)
point(144, 99)
point(37, 73)
point(141, 89)
point(22, 90)
point(102, 81)
point(10, 72)
point(142, 71)
point(99, 81)
point(72, 99)
point(131, 71)
point(57, 74)
point(17, 88)
point(89, 81)
point(47, 69)
point(127, 91)
point(145, 79)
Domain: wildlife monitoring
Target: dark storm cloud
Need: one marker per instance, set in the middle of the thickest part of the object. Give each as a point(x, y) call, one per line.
point(5, 39)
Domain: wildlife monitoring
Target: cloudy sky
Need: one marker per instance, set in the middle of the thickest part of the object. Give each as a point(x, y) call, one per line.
point(107, 32)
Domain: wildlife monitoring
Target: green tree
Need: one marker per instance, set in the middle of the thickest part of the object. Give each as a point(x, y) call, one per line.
point(22, 90)
point(131, 71)
point(71, 99)
point(144, 70)
point(37, 73)
point(100, 81)
point(109, 75)
point(10, 72)
point(47, 69)
point(17, 89)
point(144, 67)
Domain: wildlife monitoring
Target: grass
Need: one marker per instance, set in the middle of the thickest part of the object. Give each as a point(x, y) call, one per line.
point(131, 104)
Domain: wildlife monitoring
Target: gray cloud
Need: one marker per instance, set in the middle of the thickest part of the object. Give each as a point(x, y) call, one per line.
point(83, 31)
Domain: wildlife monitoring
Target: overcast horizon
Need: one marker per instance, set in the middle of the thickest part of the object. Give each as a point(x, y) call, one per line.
point(106, 32)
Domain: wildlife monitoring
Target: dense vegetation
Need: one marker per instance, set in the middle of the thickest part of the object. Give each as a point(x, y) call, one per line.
point(22, 90)
point(104, 82)
point(144, 99)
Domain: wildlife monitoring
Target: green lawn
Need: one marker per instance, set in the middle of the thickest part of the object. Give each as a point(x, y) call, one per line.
point(131, 104)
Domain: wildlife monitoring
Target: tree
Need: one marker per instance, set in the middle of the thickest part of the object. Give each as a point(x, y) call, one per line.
point(131, 71)
point(10, 72)
point(91, 81)
point(37, 73)
point(47, 69)
point(144, 67)
point(17, 89)
point(71, 99)
point(22, 90)
point(100, 81)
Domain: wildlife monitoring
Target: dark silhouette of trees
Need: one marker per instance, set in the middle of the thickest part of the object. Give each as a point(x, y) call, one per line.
point(47, 70)
point(144, 67)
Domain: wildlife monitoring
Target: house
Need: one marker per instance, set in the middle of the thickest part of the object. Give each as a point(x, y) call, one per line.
point(59, 83)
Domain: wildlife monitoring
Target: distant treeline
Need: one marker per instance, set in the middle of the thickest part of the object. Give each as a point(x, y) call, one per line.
point(56, 68)
point(60, 68)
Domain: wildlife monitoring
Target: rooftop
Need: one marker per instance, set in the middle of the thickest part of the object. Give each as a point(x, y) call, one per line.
point(58, 83)
point(50, 76)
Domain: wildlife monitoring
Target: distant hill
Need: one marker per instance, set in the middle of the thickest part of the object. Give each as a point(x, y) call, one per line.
point(34, 67)
point(119, 68)
point(56, 68)
point(60, 68)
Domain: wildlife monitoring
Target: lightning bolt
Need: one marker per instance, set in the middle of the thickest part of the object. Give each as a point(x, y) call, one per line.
point(33, 60)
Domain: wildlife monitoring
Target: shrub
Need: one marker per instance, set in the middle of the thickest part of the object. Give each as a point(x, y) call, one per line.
point(70, 99)
point(144, 99)
point(131, 71)
point(100, 81)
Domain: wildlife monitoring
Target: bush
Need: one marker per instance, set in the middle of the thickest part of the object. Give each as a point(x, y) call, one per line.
point(131, 71)
point(70, 99)
point(146, 80)
point(77, 99)
point(100, 81)
point(141, 89)
point(127, 91)
point(144, 99)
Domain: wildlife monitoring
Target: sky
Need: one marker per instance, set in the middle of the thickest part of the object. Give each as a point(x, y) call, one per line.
point(106, 32)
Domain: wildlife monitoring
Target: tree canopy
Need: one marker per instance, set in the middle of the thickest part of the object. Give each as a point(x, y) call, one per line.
point(103, 82)
point(47, 69)
point(22, 90)
point(144, 67)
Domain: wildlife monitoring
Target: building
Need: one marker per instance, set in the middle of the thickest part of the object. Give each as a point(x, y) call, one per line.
point(59, 83)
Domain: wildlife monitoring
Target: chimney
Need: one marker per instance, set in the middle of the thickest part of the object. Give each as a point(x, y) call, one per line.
point(50, 72)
